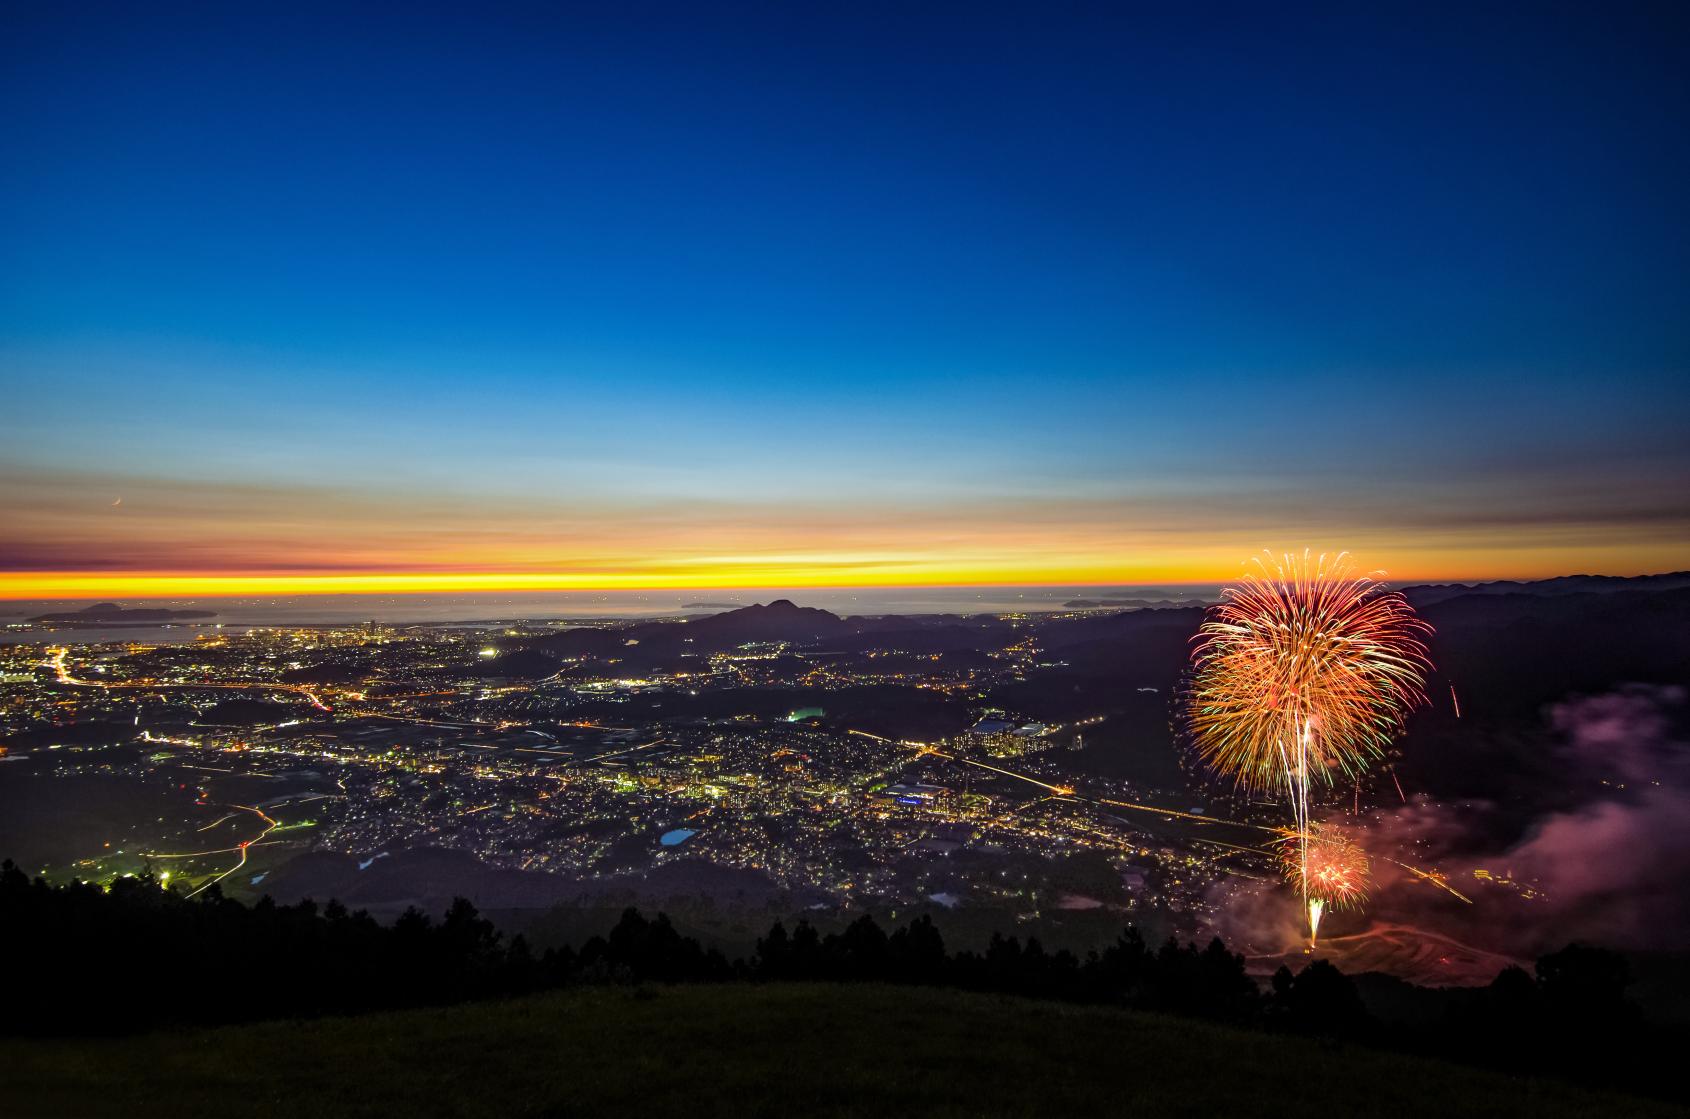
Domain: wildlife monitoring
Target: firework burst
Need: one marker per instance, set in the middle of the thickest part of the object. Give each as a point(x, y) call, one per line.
point(1325, 864)
point(1304, 658)
point(1305, 669)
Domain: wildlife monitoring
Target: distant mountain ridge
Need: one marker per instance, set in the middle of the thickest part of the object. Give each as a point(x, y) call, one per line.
point(103, 613)
point(1427, 593)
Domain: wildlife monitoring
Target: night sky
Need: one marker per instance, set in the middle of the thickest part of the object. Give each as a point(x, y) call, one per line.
point(299, 299)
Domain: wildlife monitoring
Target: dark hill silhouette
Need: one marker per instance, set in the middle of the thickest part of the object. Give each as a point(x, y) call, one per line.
point(1129, 625)
point(584, 642)
point(1143, 648)
point(103, 613)
point(521, 664)
point(780, 620)
point(1427, 594)
point(1511, 653)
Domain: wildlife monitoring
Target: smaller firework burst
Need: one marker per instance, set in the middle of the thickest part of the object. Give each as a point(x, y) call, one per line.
point(1326, 866)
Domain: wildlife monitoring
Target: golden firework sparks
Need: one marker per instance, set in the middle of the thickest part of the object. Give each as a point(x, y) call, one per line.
point(1305, 668)
point(1326, 865)
point(1307, 657)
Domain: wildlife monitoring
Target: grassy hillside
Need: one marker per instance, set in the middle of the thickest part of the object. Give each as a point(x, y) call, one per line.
point(743, 1051)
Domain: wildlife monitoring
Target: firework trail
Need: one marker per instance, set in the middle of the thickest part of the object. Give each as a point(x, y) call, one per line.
point(1303, 671)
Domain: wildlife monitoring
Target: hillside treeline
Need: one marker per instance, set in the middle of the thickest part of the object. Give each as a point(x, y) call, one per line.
point(84, 960)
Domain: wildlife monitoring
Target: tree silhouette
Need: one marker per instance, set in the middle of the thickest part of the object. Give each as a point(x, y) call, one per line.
point(72, 946)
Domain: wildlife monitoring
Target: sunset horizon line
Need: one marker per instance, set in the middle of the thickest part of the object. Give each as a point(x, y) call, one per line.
point(76, 587)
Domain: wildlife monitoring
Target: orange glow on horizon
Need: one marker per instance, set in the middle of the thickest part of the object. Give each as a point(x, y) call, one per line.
point(1206, 569)
point(154, 585)
point(170, 539)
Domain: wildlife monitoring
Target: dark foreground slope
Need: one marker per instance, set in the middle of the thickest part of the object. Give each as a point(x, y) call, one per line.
point(744, 1050)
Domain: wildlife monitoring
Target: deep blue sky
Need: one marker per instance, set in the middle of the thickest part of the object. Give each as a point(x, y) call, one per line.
point(1403, 273)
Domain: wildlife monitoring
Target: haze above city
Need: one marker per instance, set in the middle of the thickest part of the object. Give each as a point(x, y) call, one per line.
point(560, 301)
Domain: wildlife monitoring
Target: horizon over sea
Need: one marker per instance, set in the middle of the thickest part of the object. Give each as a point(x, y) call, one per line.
point(584, 606)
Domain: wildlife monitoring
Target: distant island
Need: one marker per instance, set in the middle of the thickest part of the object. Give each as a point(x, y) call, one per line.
point(711, 605)
point(109, 613)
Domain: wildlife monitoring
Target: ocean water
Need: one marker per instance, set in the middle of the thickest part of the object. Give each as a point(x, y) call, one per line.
point(239, 614)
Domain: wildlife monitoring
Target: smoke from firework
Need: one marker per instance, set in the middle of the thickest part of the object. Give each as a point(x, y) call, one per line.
point(1605, 863)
